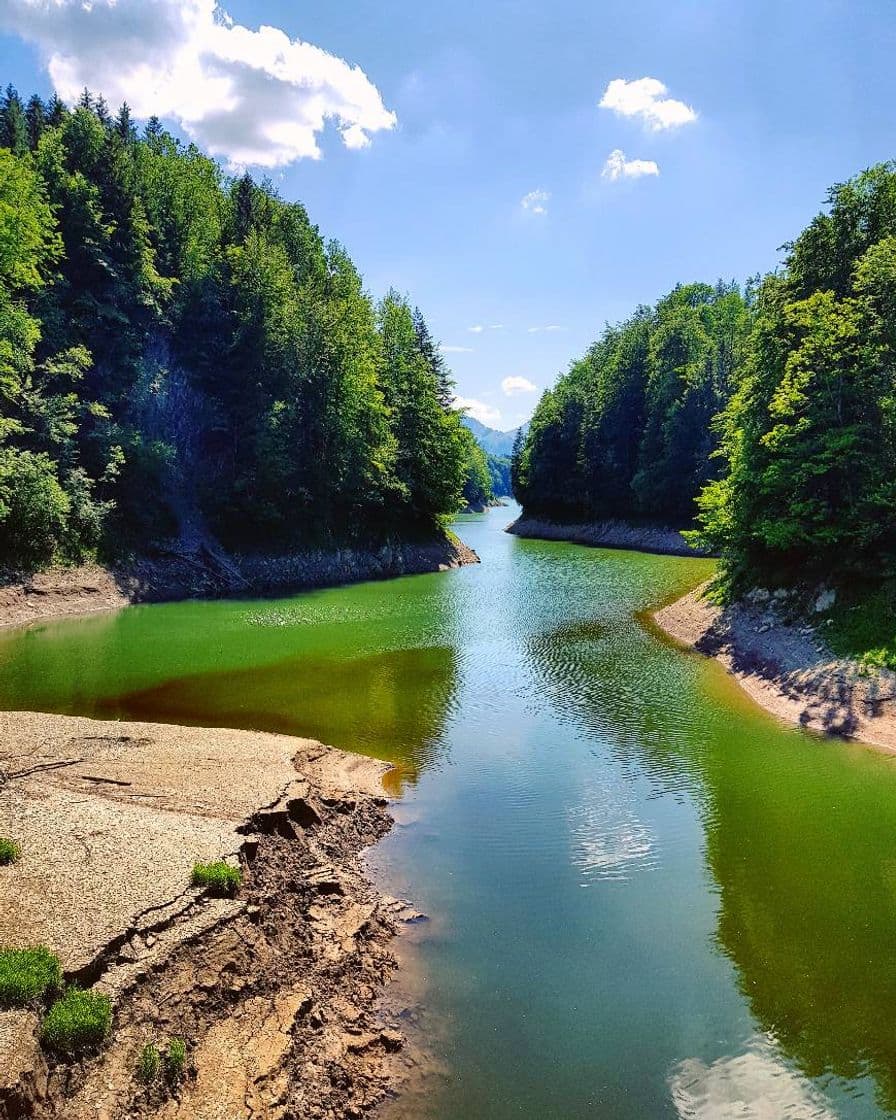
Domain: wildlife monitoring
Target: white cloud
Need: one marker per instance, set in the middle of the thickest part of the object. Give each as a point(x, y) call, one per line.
point(512, 385)
point(551, 328)
point(618, 167)
point(456, 349)
point(479, 410)
point(536, 202)
point(251, 97)
point(645, 98)
point(479, 328)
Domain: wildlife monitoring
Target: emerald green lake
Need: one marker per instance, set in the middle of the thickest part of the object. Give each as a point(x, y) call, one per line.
point(648, 898)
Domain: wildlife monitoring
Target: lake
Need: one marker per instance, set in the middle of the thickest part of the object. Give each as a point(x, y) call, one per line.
point(647, 897)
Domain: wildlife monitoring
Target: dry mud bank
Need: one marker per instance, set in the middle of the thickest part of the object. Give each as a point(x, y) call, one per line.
point(277, 991)
point(607, 534)
point(204, 572)
point(784, 664)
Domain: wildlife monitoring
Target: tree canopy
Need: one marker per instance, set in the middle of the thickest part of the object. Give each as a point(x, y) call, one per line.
point(182, 353)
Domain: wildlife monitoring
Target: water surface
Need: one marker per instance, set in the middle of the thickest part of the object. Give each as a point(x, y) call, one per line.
point(649, 899)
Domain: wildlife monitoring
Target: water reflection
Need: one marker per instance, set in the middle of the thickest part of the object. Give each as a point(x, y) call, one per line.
point(390, 705)
point(754, 1085)
point(799, 843)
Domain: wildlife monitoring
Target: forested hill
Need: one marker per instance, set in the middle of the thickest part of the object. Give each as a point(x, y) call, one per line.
point(182, 353)
point(769, 415)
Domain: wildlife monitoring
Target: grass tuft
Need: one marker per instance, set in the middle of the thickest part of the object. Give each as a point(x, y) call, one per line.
point(77, 1021)
point(862, 625)
point(149, 1064)
point(27, 974)
point(175, 1060)
point(219, 877)
point(9, 851)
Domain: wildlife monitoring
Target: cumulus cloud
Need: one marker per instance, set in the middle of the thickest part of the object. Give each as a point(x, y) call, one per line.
point(551, 328)
point(456, 349)
point(251, 97)
point(513, 385)
point(536, 202)
point(646, 99)
point(618, 167)
point(479, 410)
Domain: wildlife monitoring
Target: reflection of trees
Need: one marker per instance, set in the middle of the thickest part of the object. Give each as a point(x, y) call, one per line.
point(801, 845)
point(799, 839)
point(391, 705)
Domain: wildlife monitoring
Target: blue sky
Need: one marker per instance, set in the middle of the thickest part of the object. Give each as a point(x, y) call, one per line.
point(468, 109)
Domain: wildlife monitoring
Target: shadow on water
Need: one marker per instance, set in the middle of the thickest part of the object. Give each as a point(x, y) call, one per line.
point(390, 705)
point(798, 840)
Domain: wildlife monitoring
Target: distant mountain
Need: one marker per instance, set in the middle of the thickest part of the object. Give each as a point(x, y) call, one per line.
point(490, 440)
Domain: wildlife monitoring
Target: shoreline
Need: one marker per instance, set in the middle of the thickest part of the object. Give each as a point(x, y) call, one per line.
point(272, 989)
point(784, 665)
point(611, 533)
point(204, 573)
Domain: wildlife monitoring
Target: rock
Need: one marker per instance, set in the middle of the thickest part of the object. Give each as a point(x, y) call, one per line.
point(825, 600)
point(391, 1040)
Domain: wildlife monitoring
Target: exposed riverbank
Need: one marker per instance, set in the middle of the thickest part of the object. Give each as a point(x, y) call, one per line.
point(780, 659)
point(208, 573)
point(607, 534)
point(274, 990)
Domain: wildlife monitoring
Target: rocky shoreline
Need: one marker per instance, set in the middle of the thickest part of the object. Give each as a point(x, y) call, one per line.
point(206, 572)
point(276, 991)
point(777, 653)
point(607, 534)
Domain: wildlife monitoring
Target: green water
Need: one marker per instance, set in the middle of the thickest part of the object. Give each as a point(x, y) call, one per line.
point(648, 899)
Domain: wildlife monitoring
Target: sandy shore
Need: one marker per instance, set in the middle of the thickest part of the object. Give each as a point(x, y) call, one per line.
point(205, 573)
point(607, 534)
point(785, 666)
point(276, 991)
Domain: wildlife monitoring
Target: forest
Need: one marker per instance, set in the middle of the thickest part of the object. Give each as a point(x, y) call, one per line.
point(183, 354)
point(761, 417)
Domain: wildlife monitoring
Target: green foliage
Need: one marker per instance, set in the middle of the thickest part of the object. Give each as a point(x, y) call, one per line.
point(77, 1021)
point(626, 432)
point(27, 975)
point(218, 877)
point(175, 1060)
point(477, 488)
point(499, 469)
point(808, 438)
point(862, 624)
point(149, 1064)
point(10, 851)
point(177, 349)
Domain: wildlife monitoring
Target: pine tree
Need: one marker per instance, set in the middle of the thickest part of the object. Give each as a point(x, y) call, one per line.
point(36, 120)
point(432, 355)
point(13, 126)
point(124, 126)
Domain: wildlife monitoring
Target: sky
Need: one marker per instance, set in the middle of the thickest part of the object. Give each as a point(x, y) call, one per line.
point(525, 171)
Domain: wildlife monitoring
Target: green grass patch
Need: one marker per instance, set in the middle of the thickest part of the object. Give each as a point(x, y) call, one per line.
point(862, 625)
point(9, 851)
point(76, 1022)
point(219, 877)
point(149, 1064)
point(175, 1060)
point(27, 974)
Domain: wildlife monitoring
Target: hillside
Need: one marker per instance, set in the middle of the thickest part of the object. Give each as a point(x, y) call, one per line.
point(491, 440)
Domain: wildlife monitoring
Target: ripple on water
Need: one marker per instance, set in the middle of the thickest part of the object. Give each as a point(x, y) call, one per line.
point(754, 1085)
point(607, 838)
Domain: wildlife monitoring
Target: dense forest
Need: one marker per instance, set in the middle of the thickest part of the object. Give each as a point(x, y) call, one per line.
point(764, 418)
point(182, 354)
